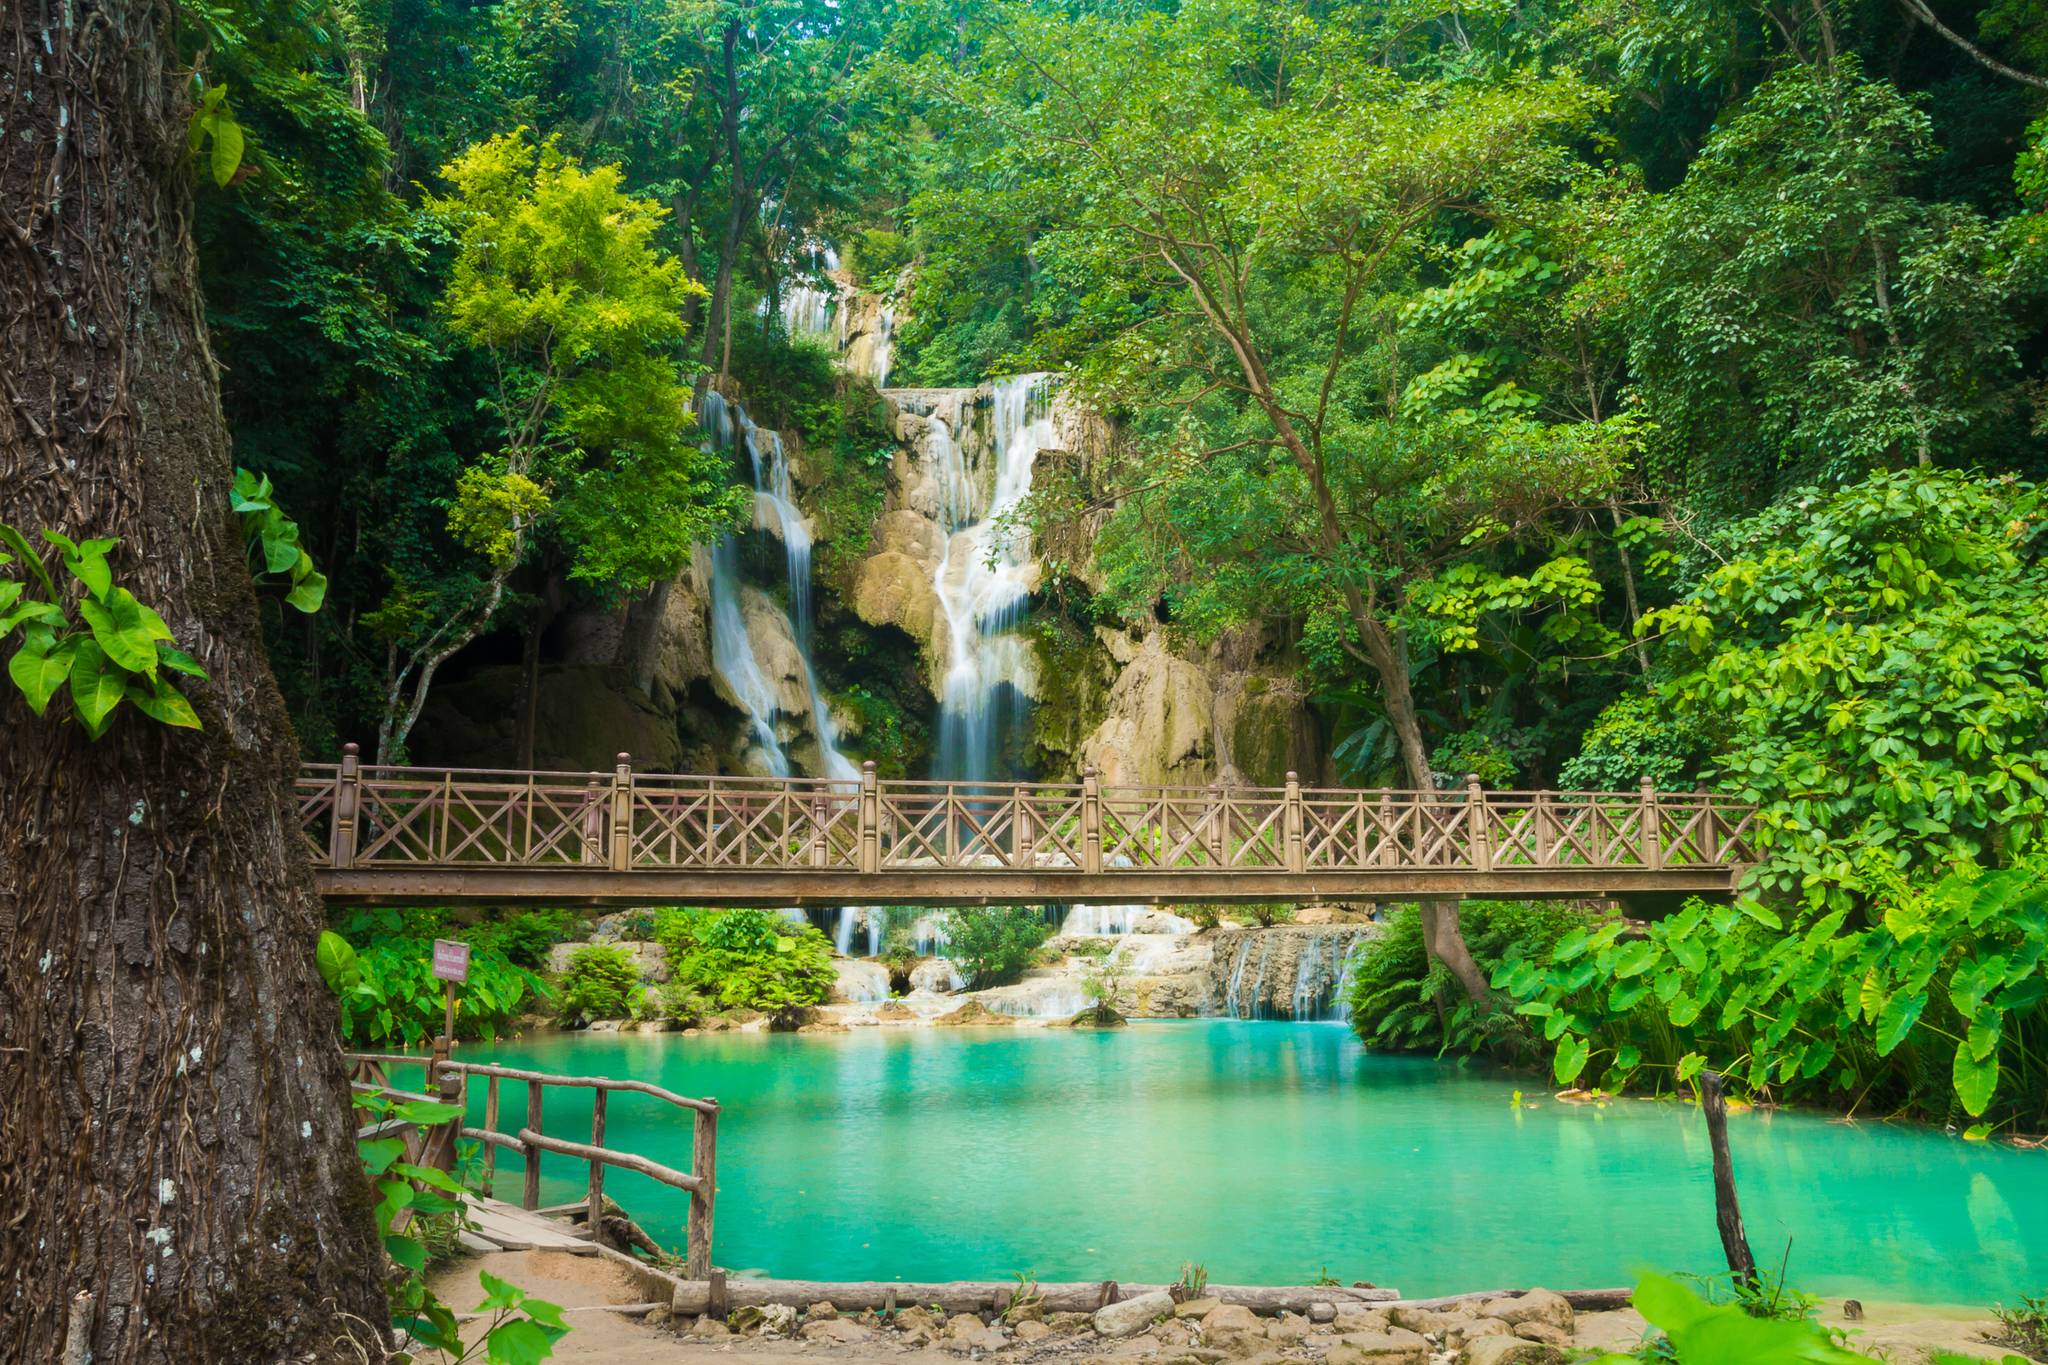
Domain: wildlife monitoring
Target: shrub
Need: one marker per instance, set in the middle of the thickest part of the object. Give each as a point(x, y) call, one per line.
point(525, 936)
point(380, 965)
point(1102, 981)
point(993, 944)
point(1403, 999)
point(602, 982)
point(748, 959)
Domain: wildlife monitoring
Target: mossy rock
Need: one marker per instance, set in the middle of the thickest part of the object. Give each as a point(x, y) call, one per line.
point(973, 1014)
point(1094, 1018)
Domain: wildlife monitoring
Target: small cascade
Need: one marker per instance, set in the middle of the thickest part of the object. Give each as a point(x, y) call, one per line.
point(1091, 920)
point(811, 312)
point(985, 574)
point(885, 345)
point(1301, 972)
point(1339, 1008)
point(851, 922)
point(732, 651)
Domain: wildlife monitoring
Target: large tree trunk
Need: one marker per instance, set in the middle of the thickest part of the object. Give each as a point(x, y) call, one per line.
point(173, 1111)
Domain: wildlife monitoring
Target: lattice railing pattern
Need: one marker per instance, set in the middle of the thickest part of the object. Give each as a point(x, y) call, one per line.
point(365, 815)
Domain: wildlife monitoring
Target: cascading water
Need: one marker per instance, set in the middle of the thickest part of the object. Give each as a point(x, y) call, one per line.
point(808, 311)
point(985, 575)
point(732, 649)
point(885, 346)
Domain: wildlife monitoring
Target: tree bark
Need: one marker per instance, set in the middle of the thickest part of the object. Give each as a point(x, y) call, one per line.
point(173, 1108)
point(1727, 1210)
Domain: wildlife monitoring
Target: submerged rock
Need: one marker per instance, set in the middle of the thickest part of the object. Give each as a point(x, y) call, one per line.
point(973, 1014)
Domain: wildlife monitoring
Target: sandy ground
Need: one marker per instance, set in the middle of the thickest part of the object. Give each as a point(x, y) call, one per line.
point(584, 1285)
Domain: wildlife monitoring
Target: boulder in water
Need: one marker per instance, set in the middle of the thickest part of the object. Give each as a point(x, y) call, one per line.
point(973, 1014)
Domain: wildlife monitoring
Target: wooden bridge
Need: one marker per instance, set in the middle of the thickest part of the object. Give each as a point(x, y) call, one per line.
point(440, 836)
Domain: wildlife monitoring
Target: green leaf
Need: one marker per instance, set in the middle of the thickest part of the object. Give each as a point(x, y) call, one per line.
point(518, 1342)
point(1690, 1066)
point(1898, 1019)
point(27, 554)
point(308, 593)
point(92, 570)
point(180, 660)
point(97, 686)
point(1572, 1052)
point(407, 1251)
point(227, 148)
point(336, 958)
point(40, 670)
point(1975, 1080)
point(164, 704)
point(378, 1153)
point(120, 628)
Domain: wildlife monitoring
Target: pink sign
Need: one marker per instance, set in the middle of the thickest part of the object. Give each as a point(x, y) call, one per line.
point(451, 960)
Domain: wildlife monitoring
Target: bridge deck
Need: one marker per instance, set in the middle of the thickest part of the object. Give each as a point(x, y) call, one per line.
point(447, 835)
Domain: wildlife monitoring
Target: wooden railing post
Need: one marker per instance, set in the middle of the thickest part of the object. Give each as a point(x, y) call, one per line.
point(1291, 825)
point(818, 832)
point(1091, 820)
point(622, 813)
point(441, 1144)
point(870, 819)
point(1387, 852)
point(594, 1220)
point(703, 1199)
point(1212, 826)
point(530, 1197)
point(1475, 824)
point(1544, 836)
point(1653, 833)
point(348, 789)
point(594, 820)
point(490, 1126)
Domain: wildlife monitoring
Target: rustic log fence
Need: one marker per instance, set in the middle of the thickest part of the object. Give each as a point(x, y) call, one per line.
point(398, 832)
point(435, 1145)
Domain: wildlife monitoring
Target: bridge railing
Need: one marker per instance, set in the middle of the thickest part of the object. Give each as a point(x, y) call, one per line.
point(356, 815)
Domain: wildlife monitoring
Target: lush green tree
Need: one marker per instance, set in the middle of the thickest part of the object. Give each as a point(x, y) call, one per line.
point(558, 281)
point(993, 944)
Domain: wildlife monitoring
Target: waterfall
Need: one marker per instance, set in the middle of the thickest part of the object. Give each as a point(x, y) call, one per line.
point(1259, 985)
point(885, 346)
point(1338, 1011)
point(1244, 951)
point(732, 649)
point(847, 919)
point(1306, 977)
point(808, 311)
point(732, 655)
point(984, 575)
point(1097, 919)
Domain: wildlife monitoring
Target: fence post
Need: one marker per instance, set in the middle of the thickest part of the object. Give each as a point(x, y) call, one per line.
point(453, 1090)
point(622, 813)
point(818, 832)
point(1291, 825)
point(1387, 852)
point(1653, 833)
point(1475, 824)
point(1212, 826)
point(530, 1197)
point(593, 820)
point(490, 1125)
point(870, 819)
point(594, 1220)
point(1091, 820)
point(348, 788)
point(704, 1166)
point(1544, 837)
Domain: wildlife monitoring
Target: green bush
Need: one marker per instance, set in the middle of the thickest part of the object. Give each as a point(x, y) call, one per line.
point(602, 982)
point(993, 944)
point(380, 965)
point(1402, 999)
point(743, 959)
point(524, 936)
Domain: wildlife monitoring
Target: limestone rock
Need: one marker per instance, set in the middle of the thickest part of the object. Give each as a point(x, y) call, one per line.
point(1231, 1320)
point(973, 1014)
point(936, 974)
point(778, 1320)
point(821, 1312)
point(1287, 1327)
point(1361, 1320)
point(1538, 1305)
point(1394, 1346)
point(895, 590)
point(710, 1329)
point(1157, 725)
point(914, 1320)
point(1322, 1312)
point(1423, 1320)
point(838, 1331)
point(1196, 1308)
point(1510, 1351)
point(1128, 1317)
point(1542, 1331)
point(1031, 1330)
point(963, 1325)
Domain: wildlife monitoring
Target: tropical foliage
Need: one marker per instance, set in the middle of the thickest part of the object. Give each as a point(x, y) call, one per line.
point(743, 960)
point(993, 944)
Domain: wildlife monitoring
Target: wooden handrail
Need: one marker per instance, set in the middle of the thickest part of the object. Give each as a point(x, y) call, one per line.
point(584, 1151)
point(583, 1083)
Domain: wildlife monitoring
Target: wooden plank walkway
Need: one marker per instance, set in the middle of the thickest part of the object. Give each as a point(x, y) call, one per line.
point(397, 835)
point(507, 1227)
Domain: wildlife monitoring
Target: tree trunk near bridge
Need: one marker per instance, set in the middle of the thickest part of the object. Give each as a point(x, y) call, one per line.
point(172, 1105)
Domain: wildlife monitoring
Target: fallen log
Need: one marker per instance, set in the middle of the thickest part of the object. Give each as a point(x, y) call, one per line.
point(1581, 1300)
point(693, 1297)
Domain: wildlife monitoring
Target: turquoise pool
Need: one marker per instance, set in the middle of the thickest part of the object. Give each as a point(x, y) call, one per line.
point(1266, 1152)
